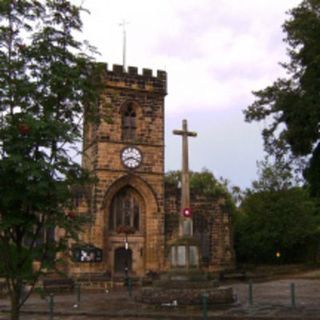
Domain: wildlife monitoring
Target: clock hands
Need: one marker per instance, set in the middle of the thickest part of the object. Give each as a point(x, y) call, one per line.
point(131, 157)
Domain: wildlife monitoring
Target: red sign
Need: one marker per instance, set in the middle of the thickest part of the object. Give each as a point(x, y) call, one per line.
point(187, 213)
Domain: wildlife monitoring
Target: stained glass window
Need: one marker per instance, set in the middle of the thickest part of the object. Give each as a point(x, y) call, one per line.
point(125, 209)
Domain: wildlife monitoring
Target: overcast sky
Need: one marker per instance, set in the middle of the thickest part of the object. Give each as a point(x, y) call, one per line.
point(216, 52)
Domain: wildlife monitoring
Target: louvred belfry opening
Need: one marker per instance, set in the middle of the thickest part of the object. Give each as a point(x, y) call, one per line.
point(129, 125)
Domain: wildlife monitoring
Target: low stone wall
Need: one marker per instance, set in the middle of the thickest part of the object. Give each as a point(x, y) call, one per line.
point(188, 296)
point(182, 285)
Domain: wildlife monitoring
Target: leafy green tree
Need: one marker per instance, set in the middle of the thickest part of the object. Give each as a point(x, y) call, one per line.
point(291, 105)
point(46, 84)
point(205, 183)
point(275, 174)
point(276, 216)
point(283, 221)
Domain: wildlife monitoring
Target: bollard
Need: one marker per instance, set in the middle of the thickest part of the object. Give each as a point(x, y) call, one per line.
point(130, 287)
point(51, 306)
point(205, 306)
point(78, 293)
point(250, 293)
point(293, 295)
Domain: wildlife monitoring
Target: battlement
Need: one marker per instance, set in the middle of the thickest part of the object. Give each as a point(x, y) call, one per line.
point(131, 79)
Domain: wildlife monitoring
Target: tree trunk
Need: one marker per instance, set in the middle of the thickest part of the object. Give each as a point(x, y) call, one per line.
point(15, 300)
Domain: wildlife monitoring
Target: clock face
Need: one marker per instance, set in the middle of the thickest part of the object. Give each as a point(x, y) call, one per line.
point(131, 157)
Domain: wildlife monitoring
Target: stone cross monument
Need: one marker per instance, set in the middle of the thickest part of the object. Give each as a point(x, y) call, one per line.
point(185, 221)
point(184, 250)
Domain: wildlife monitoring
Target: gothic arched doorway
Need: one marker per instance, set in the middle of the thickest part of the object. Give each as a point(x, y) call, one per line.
point(132, 217)
point(122, 260)
point(125, 223)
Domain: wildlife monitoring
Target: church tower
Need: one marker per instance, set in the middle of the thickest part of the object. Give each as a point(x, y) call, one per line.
point(126, 154)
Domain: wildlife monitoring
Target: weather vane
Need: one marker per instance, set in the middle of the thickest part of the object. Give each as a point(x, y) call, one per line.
point(124, 48)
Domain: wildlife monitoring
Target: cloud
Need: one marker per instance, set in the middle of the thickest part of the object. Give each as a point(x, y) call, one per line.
point(216, 52)
point(219, 51)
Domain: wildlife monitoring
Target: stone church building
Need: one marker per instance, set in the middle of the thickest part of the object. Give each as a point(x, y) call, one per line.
point(133, 215)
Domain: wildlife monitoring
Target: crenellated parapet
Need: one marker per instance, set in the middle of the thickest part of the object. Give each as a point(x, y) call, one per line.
point(132, 79)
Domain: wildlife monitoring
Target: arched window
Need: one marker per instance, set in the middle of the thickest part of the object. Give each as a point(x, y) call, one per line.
point(125, 209)
point(129, 123)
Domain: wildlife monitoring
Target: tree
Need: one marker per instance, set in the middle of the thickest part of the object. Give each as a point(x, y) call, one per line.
point(283, 221)
point(291, 105)
point(46, 84)
point(205, 183)
point(275, 174)
point(276, 216)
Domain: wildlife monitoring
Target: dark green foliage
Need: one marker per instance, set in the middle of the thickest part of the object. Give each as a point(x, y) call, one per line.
point(172, 178)
point(46, 85)
point(284, 221)
point(312, 173)
point(276, 216)
point(204, 183)
point(275, 174)
point(291, 105)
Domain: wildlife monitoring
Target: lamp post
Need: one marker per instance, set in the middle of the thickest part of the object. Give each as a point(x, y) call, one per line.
point(126, 247)
point(126, 230)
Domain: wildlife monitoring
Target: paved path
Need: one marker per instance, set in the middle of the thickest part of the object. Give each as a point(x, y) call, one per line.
point(271, 300)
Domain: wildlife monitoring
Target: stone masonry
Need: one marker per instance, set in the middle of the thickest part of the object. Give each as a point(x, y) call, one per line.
point(212, 228)
point(103, 145)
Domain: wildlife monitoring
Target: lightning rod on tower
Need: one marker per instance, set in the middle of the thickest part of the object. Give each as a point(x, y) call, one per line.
point(124, 45)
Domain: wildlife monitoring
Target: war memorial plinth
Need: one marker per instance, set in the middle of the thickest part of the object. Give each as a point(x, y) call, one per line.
point(185, 283)
point(187, 288)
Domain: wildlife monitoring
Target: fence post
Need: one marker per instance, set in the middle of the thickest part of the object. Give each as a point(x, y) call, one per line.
point(51, 296)
point(205, 306)
point(78, 293)
point(250, 293)
point(130, 287)
point(293, 295)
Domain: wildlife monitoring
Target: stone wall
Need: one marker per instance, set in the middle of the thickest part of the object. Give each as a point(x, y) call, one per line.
point(103, 144)
point(212, 228)
point(102, 147)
